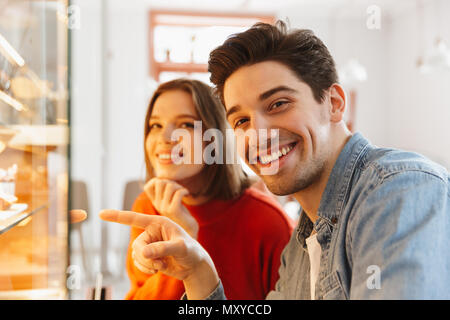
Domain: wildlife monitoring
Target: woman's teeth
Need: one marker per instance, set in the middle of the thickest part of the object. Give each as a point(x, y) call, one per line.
point(164, 156)
point(168, 156)
point(275, 155)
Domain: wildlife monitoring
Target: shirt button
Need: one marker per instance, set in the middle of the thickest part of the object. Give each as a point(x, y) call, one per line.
point(334, 220)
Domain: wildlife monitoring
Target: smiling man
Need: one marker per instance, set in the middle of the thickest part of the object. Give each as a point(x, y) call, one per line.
point(268, 95)
point(375, 223)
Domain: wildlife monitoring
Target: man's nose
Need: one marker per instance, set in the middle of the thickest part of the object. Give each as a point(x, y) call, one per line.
point(267, 135)
point(259, 122)
point(259, 126)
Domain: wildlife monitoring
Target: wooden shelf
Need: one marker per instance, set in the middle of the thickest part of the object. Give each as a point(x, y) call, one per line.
point(193, 19)
point(180, 67)
point(21, 215)
point(39, 135)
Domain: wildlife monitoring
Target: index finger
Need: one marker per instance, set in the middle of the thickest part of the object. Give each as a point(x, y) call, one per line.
point(129, 218)
point(77, 215)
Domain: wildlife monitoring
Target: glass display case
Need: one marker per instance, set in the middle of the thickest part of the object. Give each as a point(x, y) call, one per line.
point(34, 147)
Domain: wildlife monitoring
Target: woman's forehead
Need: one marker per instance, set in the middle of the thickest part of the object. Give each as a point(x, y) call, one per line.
point(174, 103)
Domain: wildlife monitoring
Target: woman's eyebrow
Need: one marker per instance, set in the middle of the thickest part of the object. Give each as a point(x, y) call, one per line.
point(178, 116)
point(186, 116)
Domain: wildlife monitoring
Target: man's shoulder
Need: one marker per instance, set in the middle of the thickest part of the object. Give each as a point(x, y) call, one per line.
point(384, 174)
point(384, 163)
point(398, 189)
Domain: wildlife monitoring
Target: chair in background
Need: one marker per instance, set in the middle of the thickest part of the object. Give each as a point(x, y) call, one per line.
point(132, 190)
point(80, 200)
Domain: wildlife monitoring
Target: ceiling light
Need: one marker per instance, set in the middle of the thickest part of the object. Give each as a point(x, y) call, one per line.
point(10, 53)
point(11, 101)
point(438, 58)
point(352, 72)
point(440, 55)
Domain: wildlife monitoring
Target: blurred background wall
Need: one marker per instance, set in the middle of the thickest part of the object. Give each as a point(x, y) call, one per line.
point(398, 105)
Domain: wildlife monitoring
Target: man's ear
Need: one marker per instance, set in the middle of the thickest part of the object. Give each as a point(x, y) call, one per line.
point(338, 102)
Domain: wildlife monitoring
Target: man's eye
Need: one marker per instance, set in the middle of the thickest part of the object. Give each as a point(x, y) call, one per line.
point(239, 122)
point(277, 104)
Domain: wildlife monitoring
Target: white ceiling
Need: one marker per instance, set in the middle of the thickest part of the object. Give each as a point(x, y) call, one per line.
point(307, 7)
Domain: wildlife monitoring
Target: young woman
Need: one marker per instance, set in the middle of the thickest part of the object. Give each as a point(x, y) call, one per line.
point(243, 229)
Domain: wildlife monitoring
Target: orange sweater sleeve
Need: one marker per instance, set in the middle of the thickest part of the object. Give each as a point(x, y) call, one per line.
point(144, 286)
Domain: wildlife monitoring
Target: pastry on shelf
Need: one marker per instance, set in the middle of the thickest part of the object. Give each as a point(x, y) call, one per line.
point(6, 200)
point(8, 180)
point(6, 134)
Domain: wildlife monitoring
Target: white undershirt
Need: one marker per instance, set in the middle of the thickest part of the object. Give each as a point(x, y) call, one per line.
point(314, 251)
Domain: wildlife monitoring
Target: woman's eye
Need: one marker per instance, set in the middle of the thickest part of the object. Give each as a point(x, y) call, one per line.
point(187, 125)
point(154, 126)
point(240, 122)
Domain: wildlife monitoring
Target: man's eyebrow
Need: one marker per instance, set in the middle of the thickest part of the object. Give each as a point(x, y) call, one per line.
point(262, 96)
point(233, 110)
point(268, 93)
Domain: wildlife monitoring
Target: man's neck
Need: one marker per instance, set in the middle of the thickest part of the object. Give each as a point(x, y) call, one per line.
point(310, 197)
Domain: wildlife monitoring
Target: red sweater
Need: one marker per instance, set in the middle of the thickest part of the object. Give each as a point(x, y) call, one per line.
point(244, 237)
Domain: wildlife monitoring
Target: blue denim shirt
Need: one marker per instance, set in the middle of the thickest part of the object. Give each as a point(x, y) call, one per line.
point(383, 226)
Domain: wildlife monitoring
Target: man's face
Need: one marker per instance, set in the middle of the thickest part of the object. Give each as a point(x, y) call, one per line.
point(268, 95)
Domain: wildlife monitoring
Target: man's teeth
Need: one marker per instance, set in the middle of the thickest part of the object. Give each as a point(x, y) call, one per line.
point(275, 155)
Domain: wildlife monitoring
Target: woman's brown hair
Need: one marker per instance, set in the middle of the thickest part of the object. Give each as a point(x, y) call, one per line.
point(223, 181)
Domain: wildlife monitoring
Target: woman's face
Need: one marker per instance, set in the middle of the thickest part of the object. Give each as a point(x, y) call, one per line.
point(173, 110)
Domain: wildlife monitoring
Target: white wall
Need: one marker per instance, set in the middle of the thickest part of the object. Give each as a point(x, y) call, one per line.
point(108, 106)
point(86, 124)
point(110, 93)
point(128, 95)
point(418, 112)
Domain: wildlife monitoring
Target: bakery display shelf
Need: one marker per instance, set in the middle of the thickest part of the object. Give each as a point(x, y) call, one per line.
point(19, 214)
point(34, 294)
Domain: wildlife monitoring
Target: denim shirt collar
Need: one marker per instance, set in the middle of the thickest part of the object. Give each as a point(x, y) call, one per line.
point(335, 192)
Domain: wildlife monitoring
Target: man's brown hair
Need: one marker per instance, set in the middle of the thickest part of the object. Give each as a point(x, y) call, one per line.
point(298, 49)
point(223, 181)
